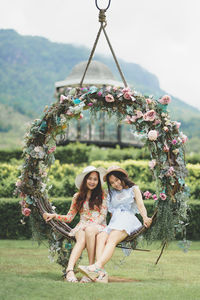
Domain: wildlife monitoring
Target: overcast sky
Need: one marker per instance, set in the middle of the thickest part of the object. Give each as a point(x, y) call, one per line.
point(162, 36)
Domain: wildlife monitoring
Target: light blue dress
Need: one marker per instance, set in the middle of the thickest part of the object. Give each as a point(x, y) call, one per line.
point(123, 208)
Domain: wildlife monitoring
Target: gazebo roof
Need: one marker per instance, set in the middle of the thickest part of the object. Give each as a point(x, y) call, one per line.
point(97, 74)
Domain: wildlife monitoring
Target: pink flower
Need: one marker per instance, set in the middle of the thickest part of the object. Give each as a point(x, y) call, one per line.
point(62, 98)
point(152, 163)
point(150, 115)
point(90, 104)
point(156, 122)
point(148, 101)
point(170, 172)
point(165, 100)
point(139, 114)
point(109, 98)
point(108, 88)
point(133, 119)
point(184, 138)
point(115, 88)
point(126, 90)
point(52, 149)
point(127, 96)
point(174, 142)
point(81, 116)
point(152, 135)
point(26, 211)
point(147, 195)
point(99, 94)
point(69, 113)
point(18, 183)
point(154, 197)
point(177, 124)
point(22, 203)
point(163, 196)
point(166, 148)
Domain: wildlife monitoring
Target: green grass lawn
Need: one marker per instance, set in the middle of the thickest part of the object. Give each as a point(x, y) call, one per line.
point(26, 273)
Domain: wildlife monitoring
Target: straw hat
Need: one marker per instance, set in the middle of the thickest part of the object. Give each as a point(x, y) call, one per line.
point(87, 170)
point(114, 168)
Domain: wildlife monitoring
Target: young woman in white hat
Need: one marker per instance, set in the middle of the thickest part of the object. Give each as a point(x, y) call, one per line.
point(124, 201)
point(91, 205)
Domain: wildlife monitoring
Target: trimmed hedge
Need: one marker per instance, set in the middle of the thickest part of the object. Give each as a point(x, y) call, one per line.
point(11, 227)
point(81, 153)
point(61, 177)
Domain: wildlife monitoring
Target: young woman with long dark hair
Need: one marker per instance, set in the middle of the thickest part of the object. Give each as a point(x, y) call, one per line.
point(89, 202)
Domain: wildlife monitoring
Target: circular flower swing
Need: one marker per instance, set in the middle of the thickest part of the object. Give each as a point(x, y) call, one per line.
point(144, 115)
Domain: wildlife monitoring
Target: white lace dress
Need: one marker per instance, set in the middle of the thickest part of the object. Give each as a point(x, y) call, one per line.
point(123, 208)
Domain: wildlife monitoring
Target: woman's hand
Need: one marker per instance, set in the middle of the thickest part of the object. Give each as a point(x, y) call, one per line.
point(147, 221)
point(48, 216)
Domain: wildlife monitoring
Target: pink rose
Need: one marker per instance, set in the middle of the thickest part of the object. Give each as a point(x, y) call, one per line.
point(170, 171)
point(139, 114)
point(18, 183)
point(154, 197)
point(109, 98)
point(69, 113)
point(147, 195)
point(152, 135)
point(90, 104)
point(62, 98)
point(99, 94)
point(156, 122)
point(152, 163)
point(148, 101)
point(166, 148)
point(127, 96)
point(52, 149)
point(163, 196)
point(26, 211)
point(174, 142)
point(165, 100)
point(177, 124)
point(184, 138)
point(150, 115)
point(126, 90)
point(22, 203)
point(133, 119)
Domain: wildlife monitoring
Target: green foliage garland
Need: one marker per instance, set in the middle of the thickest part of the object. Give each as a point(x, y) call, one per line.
point(147, 116)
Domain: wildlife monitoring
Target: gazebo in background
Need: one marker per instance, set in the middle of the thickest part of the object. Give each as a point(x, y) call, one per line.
point(94, 131)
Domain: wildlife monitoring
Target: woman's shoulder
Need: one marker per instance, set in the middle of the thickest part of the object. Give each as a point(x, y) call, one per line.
point(75, 196)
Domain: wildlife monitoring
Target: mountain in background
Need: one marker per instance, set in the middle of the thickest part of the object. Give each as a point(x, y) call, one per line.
point(30, 66)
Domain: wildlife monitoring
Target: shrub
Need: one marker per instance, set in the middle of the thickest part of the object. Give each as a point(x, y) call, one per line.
point(12, 228)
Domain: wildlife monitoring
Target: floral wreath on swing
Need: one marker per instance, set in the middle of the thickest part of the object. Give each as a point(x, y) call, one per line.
point(146, 116)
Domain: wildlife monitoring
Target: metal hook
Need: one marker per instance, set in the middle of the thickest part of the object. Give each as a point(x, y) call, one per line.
point(101, 8)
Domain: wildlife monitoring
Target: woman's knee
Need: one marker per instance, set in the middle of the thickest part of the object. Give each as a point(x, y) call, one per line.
point(102, 237)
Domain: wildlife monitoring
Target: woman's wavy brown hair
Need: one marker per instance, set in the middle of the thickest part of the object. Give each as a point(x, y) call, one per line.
point(126, 182)
point(96, 195)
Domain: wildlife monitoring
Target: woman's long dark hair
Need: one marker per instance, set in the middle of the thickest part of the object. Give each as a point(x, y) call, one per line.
point(96, 195)
point(125, 180)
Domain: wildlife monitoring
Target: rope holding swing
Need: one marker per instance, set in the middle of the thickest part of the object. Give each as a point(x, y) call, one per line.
point(103, 23)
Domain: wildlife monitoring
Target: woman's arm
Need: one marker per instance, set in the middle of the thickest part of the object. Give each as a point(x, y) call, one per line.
point(64, 218)
point(140, 204)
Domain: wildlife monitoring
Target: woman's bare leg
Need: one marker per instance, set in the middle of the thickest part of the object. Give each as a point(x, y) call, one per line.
point(90, 238)
point(101, 240)
point(115, 237)
point(77, 250)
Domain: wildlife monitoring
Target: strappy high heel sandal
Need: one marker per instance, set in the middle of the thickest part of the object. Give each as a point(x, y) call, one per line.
point(70, 279)
point(91, 274)
point(103, 277)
